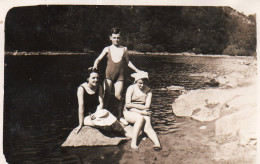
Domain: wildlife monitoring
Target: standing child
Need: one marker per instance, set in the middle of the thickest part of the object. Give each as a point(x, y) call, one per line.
point(117, 58)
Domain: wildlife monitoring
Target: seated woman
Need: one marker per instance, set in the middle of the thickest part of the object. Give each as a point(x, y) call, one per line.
point(90, 98)
point(90, 106)
point(137, 112)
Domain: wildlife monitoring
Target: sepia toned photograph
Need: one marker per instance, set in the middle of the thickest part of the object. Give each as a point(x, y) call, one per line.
point(129, 84)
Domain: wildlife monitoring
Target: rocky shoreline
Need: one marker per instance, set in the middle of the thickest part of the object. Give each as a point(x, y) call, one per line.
point(230, 108)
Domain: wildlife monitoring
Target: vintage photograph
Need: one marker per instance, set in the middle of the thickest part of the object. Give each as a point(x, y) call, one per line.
point(129, 84)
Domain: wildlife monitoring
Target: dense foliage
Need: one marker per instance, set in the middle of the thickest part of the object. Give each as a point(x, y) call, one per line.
point(207, 30)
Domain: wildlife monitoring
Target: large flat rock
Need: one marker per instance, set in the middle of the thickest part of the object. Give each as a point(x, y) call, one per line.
point(203, 105)
point(241, 123)
point(234, 110)
point(211, 104)
point(89, 136)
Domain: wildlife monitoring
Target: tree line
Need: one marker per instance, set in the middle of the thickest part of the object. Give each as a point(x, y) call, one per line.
point(205, 30)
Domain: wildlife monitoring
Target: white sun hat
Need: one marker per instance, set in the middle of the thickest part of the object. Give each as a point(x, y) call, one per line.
point(140, 75)
point(103, 118)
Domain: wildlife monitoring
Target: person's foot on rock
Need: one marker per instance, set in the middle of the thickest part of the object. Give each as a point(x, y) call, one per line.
point(123, 121)
point(157, 147)
point(133, 146)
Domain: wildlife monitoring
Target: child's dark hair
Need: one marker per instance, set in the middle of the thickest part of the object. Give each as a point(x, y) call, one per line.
point(115, 30)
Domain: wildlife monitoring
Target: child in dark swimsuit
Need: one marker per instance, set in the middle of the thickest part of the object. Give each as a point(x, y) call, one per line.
point(117, 58)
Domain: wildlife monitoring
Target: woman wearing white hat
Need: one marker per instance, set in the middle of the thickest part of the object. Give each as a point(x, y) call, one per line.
point(137, 109)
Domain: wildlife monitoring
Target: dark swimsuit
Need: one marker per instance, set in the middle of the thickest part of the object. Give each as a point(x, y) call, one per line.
point(115, 71)
point(91, 101)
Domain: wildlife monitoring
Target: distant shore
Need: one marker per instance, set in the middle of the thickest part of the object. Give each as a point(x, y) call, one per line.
point(24, 53)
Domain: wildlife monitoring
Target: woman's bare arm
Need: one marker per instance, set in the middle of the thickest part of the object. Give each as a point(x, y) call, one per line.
point(142, 112)
point(129, 94)
point(80, 94)
point(147, 103)
point(138, 108)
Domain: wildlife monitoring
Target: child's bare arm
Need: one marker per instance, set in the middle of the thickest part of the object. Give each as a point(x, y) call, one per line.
point(100, 57)
point(129, 63)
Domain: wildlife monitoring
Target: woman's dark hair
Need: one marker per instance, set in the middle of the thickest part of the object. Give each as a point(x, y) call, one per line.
point(115, 30)
point(90, 71)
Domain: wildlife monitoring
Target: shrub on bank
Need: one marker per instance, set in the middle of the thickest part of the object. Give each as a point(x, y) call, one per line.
point(143, 47)
point(233, 50)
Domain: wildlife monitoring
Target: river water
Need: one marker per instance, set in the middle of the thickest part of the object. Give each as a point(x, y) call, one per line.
point(40, 102)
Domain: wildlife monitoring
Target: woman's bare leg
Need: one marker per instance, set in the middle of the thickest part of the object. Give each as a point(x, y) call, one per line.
point(138, 121)
point(148, 129)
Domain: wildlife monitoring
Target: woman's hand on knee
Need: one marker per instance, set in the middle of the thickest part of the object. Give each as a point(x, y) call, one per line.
point(146, 112)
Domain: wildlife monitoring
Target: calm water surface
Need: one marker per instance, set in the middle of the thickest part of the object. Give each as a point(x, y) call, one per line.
point(40, 103)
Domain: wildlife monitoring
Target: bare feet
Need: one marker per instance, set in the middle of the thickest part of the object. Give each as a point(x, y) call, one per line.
point(157, 147)
point(123, 121)
point(133, 146)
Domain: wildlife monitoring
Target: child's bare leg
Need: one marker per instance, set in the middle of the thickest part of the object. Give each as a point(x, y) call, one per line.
point(118, 94)
point(107, 92)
